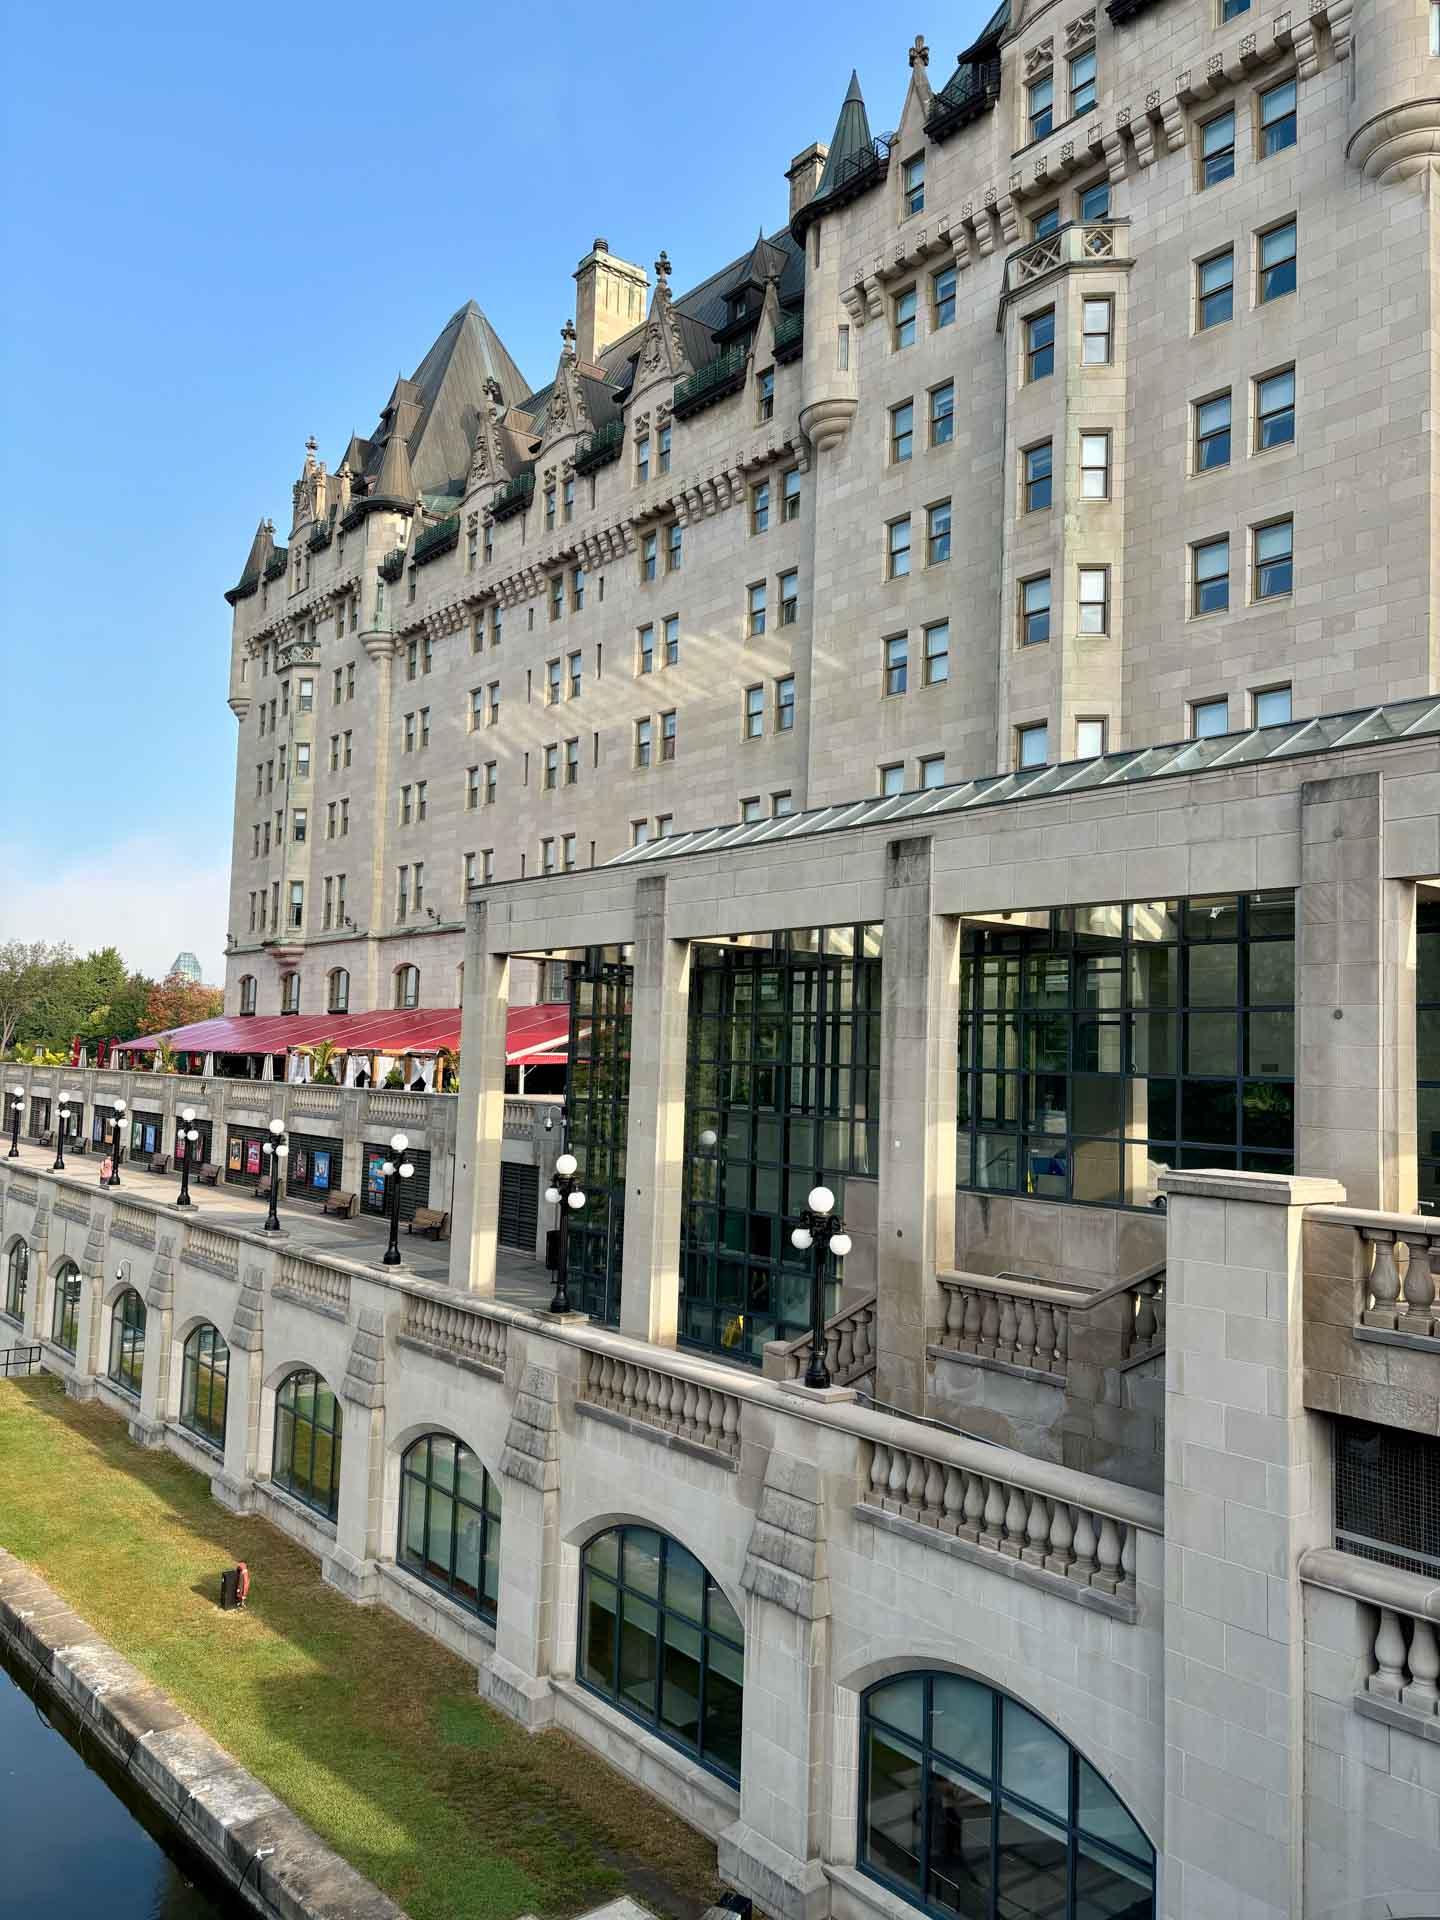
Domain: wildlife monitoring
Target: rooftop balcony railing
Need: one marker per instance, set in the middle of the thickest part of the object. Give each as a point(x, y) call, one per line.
point(514, 496)
point(1081, 243)
point(436, 540)
point(601, 448)
point(723, 376)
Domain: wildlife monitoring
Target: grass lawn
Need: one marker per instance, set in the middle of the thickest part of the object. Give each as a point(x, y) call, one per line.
point(371, 1732)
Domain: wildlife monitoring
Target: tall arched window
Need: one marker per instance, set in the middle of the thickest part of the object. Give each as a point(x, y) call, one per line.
point(127, 1341)
point(659, 1639)
point(970, 1804)
point(450, 1522)
point(205, 1385)
point(65, 1307)
point(17, 1278)
point(337, 996)
point(247, 993)
point(307, 1441)
point(407, 986)
point(289, 993)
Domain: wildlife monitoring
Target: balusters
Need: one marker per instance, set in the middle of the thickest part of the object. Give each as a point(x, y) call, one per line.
point(879, 1473)
point(1037, 1532)
point(989, 1326)
point(1025, 1332)
point(970, 1329)
point(1384, 1279)
point(1062, 1537)
point(1108, 1555)
point(1422, 1693)
point(1016, 1515)
point(1419, 1285)
point(1388, 1678)
point(1082, 1567)
point(1044, 1336)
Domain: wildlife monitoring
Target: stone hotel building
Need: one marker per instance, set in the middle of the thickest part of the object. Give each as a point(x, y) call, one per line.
point(952, 700)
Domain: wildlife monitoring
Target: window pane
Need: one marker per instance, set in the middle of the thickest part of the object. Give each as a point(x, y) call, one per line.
point(598, 1652)
point(1034, 1760)
point(894, 1814)
point(960, 1820)
point(961, 1717)
point(638, 1654)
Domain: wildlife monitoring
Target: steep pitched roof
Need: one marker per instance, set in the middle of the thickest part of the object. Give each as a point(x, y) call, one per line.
point(395, 482)
point(851, 137)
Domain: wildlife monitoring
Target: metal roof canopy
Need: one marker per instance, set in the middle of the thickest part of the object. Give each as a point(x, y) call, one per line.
point(534, 1036)
point(1364, 727)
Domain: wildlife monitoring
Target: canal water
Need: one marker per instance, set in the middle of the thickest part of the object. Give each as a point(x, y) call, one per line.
point(77, 1843)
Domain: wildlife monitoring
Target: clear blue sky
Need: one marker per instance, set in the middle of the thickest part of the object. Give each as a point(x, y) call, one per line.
point(224, 233)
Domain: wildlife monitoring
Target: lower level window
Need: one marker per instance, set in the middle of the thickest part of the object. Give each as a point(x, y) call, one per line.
point(205, 1385)
point(127, 1341)
point(971, 1805)
point(307, 1441)
point(450, 1522)
point(65, 1313)
point(660, 1640)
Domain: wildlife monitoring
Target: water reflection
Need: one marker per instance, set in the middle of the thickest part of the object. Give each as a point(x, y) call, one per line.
point(71, 1847)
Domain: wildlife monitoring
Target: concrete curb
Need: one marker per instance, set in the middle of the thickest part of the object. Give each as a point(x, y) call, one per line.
point(252, 1839)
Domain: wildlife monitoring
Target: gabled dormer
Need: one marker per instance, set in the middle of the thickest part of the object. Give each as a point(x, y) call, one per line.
point(662, 359)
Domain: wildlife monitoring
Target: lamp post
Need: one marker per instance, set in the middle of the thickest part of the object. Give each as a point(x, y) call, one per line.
point(276, 1148)
point(62, 1127)
point(114, 1180)
point(564, 1192)
point(17, 1107)
point(821, 1228)
point(189, 1134)
point(395, 1171)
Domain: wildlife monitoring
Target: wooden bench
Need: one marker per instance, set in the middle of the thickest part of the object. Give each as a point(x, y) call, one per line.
point(160, 1163)
point(207, 1177)
point(345, 1204)
point(430, 1220)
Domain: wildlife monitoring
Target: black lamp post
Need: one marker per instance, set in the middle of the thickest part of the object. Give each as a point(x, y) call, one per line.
point(17, 1107)
point(395, 1171)
point(114, 1179)
point(278, 1151)
point(564, 1192)
point(188, 1136)
point(62, 1127)
point(821, 1228)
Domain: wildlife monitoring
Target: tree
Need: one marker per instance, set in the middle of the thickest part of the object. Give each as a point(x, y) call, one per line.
point(178, 1002)
point(28, 972)
point(325, 1058)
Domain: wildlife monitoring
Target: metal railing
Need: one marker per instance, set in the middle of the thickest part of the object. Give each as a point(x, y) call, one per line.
point(437, 540)
point(722, 376)
point(601, 448)
point(17, 1361)
point(514, 496)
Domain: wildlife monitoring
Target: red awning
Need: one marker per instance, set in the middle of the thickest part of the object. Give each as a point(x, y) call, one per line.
point(534, 1035)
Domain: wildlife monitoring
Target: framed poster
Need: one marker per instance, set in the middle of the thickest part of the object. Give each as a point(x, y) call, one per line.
point(137, 1135)
point(320, 1170)
point(374, 1178)
point(252, 1156)
point(235, 1156)
point(149, 1139)
point(298, 1166)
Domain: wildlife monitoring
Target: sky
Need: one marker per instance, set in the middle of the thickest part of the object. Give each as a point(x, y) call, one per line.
point(226, 228)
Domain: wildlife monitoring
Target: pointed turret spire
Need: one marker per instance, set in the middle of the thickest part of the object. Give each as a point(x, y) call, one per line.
point(395, 485)
point(851, 136)
point(261, 548)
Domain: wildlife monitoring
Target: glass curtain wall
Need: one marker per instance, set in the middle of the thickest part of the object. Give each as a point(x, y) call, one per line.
point(597, 1116)
point(1122, 1039)
point(784, 1069)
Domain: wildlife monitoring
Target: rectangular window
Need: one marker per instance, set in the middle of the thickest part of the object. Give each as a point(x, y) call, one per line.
point(1089, 739)
point(471, 871)
point(942, 414)
point(1040, 106)
point(547, 856)
point(751, 811)
point(554, 682)
point(1210, 576)
point(664, 825)
point(487, 865)
point(789, 584)
point(667, 736)
point(549, 509)
point(671, 632)
point(496, 625)
point(1217, 149)
point(297, 903)
point(781, 805)
point(1035, 610)
point(1212, 433)
point(902, 432)
point(643, 739)
point(790, 495)
point(937, 653)
point(572, 674)
point(1040, 345)
point(557, 595)
point(898, 548)
point(427, 654)
point(1232, 10)
point(492, 710)
point(412, 659)
point(492, 769)
point(472, 789)
point(1094, 466)
point(1275, 410)
point(422, 799)
point(306, 701)
point(642, 459)
point(1082, 83)
point(639, 833)
point(1094, 600)
point(937, 533)
point(754, 712)
point(1435, 28)
point(755, 609)
point(477, 707)
point(897, 663)
point(663, 449)
point(1096, 317)
point(1277, 262)
point(912, 185)
point(765, 393)
point(302, 760)
point(1271, 707)
point(350, 669)
point(1032, 746)
point(649, 555)
point(1277, 118)
point(335, 688)
point(785, 704)
point(1093, 203)
point(760, 507)
point(1274, 559)
point(1039, 476)
point(567, 852)
point(1215, 289)
point(406, 813)
point(344, 817)
point(1209, 718)
point(674, 546)
point(567, 500)
point(552, 768)
point(1045, 223)
point(572, 762)
point(419, 885)
point(892, 781)
point(424, 727)
point(409, 733)
point(645, 650)
point(577, 589)
point(904, 309)
point(942, 297)
point(932, 772)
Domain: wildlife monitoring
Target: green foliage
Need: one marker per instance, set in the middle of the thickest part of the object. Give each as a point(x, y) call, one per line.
point(325, 1058)
point(49, 994)
point(395, 1078)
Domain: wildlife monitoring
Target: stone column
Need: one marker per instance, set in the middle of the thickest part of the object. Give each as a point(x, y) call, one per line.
point(919, 1039)
point(1247, 1491)
point(1355, 999)
point(234, 1485)
point(351, 1567)
point(517, 1675)
point(655, 1142)
point(480, 1115)
point(147, 1428)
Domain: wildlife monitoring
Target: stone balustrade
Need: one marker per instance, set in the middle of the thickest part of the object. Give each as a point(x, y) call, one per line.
point(135, 1224)
point(1027, 1325)
point(1401, 1675)
point(1398, 1254)
point(310, 1098)
point(678, 1404)
point(849, 1347)
point(405, 1109)
point(215, 1252)
point(322, 1286)
point(463, 1333)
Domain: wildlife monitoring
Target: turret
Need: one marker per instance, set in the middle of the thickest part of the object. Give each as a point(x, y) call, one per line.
point(828, 391)
point(1394, 111)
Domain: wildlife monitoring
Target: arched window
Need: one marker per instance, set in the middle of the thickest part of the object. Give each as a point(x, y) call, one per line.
point(450, 1522)
point(247, 993)
point(289, 993)
point(17, 1278)
point(660, 1640)
point(205, 1385)
point(337, 997)
point(307, 1441)
point(127, 1341)
point(971, 1804)
point(65, 1308)
point(407, 986)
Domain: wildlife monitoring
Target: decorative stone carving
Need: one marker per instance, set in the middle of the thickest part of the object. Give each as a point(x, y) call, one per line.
point(1080, 32)
point(919, 55)
point(1040, 58)
point(531, 1450)
point(786, 1561)
point(364, 1381)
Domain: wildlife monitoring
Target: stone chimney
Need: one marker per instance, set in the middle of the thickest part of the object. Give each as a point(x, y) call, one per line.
point(610, 299)
point(804, 175)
